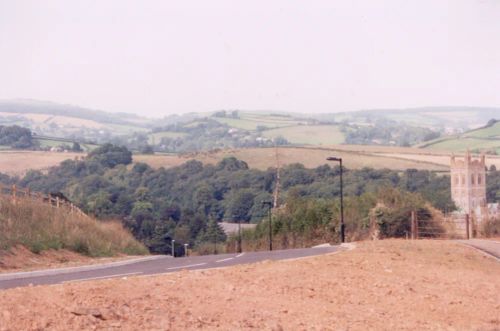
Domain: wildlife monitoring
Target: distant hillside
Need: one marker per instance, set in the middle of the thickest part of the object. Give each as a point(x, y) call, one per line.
point(195, 132)
point(450, 118)
point(484, 139)
point(23, 106)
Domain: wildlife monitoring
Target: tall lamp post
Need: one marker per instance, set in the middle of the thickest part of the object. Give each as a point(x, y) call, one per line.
point(173, 247)
point(269, 204)
point(342, 225)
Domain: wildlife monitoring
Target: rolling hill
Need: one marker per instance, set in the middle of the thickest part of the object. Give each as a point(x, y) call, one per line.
point(484, 139)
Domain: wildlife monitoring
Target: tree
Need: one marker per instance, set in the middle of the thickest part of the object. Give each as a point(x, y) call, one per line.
point(111, 155)
point(240, 206)
point(76, 147)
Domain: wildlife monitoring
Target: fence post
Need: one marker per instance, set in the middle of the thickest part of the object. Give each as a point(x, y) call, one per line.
point(14, 192)
point(413, 226)
point(467, 229)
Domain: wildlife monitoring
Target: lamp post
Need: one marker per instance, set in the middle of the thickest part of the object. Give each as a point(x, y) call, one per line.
point(342, 225)
point(269, 204)
point(239, 248)
point(186, 250)
point(173, 247)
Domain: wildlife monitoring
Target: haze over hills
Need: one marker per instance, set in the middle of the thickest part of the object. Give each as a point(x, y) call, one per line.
point(243, 128)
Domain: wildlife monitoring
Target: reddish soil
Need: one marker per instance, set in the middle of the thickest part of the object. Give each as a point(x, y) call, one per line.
point(383, 285)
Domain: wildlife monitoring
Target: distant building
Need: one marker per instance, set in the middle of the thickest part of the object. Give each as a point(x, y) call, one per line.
point(468, 187)
point(468, 182)
point(232, 228)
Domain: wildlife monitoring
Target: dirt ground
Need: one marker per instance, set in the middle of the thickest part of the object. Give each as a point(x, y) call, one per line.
point(384, 285)
point(20, 258)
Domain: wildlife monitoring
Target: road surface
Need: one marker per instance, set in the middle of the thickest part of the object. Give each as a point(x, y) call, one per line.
point(491, 247)
point(151, 266)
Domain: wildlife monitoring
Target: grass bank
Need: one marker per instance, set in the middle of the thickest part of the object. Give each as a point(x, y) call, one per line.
point(39, 227)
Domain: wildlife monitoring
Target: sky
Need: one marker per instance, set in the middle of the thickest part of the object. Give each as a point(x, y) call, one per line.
point(163, 57)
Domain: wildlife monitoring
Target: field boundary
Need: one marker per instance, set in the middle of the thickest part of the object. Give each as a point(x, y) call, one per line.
point(52, 200)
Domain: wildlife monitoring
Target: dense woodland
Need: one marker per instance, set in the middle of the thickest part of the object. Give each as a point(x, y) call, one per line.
point(185, 202)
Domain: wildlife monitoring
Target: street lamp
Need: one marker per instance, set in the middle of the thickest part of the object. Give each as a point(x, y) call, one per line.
point(342, 225)
point(173, 247)
point(239, 248)
point(186, 249)
point(269, 204)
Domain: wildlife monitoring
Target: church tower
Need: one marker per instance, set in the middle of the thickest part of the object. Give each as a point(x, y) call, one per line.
point(468, 184)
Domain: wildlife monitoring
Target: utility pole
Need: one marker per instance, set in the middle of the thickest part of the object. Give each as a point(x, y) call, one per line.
point(277, 187)
point(269, 204)
point(173, 247)
point(342, 224)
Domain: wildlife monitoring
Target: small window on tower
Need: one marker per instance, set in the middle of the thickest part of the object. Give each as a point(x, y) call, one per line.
point(479, 179)
point(472, 179)
point(456, 180)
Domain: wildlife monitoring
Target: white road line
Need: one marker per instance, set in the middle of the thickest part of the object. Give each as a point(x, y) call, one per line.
point(186, 266)
point(240, 255)
point(230, 258)
point(102, 277)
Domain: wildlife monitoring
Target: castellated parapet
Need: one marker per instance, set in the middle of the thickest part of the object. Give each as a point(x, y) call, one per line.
point(468, 184)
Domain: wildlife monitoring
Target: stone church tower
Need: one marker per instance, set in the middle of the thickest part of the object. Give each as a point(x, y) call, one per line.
point(468, 184)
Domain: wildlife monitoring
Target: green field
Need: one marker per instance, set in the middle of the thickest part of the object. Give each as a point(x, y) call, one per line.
point(48, 143)
point(308, 134)
point(489, 132)
point(483, 139)
point(156, 137)
point(462, 144)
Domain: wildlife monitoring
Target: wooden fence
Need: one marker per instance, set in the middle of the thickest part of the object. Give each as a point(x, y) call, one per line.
point(16, 193)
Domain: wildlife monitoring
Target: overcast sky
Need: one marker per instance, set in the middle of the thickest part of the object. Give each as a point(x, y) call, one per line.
point(161, 57)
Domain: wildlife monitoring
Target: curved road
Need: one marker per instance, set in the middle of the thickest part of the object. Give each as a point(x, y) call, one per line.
point(492, 247)
point(152, 265)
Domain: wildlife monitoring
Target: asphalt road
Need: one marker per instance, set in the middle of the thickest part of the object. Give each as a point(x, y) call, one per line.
point(152, 265)
point(491, 247)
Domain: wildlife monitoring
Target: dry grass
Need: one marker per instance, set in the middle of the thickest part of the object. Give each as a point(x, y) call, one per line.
point(263, 158)
point(18, 162)
point(39, 226)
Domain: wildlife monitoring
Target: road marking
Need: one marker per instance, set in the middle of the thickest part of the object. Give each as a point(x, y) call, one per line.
point(230, 258)
point(102, 277)
point(186, 266)
point(240, 255)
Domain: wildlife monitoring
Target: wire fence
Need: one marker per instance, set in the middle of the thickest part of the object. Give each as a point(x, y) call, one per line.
point(53, 200)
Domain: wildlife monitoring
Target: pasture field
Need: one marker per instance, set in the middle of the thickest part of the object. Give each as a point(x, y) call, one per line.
point(156, 136)
point(482, 139)
point(462, 144)
point(308, 134)
point(490, 132)
point(250, 121)
point(47, 119)
point(18, 162)
point(44, 143)
point(355, 157)
point(263, 158)
point(249, 124)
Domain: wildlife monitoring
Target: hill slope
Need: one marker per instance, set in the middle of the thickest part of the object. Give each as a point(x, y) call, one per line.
point(38, 226)
point(484, 139)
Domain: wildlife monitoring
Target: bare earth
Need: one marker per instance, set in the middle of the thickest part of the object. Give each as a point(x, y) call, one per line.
point(385, 285)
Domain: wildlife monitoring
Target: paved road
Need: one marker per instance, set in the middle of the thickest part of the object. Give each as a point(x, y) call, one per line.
point(150, 266)
point(489, 246)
